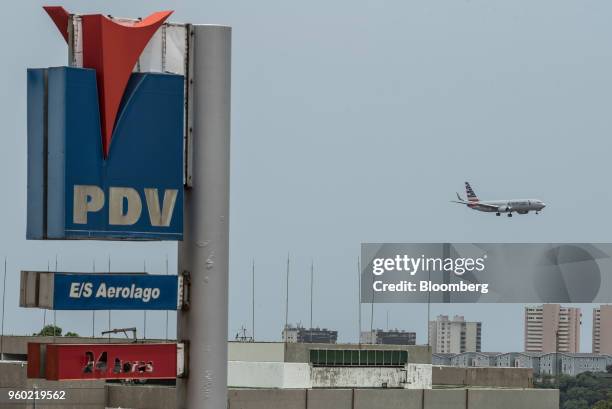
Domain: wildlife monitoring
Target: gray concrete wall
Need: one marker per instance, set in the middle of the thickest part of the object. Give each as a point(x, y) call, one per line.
point(512, 399)
point(445, 399)
point(164, 398)
point(417, 354)
point(140, 396)
point(329, 399)
point(256, 351)
point(78, 394)
point(267, 399)
point(388, 399)
point(501, 377)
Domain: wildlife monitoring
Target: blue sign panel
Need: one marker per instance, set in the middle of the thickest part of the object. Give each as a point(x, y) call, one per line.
point(74, 190)
point(115, 292)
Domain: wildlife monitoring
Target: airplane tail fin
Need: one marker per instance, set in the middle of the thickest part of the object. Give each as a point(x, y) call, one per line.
point(471, 196)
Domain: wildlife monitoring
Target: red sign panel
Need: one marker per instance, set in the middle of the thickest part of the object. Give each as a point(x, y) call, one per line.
point(104, 361)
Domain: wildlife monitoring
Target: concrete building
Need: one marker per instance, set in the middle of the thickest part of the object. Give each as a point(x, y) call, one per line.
point(309, 335)
point(552, 328)
point(485, 359)
point(540, 363)
point(391, 337)
point(454, 336)
point(602, 330)
point(520, 360)
point(475, 359)
point(572, 363)
point(442, 359)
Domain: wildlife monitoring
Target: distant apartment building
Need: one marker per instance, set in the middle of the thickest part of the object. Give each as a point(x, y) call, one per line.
point(475, 359)
point(552, 328)
point(442, 359)
point(520, 360)
point(309, 335)
point(390, 337)
point(572, 363)
point(454, 336)
point(541, 363)
point(602, 330)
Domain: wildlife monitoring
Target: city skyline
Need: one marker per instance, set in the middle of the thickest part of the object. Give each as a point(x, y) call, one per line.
point(380, 316)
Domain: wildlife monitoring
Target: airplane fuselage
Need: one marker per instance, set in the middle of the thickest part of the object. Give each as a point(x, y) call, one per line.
point(521, 206)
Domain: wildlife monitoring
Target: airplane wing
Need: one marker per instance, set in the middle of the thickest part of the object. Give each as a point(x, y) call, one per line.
point(489, 206)
point(486, 205)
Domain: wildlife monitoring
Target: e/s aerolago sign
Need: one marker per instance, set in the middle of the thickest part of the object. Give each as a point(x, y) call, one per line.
point(116, 291)
point(105, 145)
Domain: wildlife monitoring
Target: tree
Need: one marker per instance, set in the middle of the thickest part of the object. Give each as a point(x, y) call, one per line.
point(603, 404)
point(566, 382)
point(576, 404)
point(54, 330)
point(50, 330)
point(589, 394)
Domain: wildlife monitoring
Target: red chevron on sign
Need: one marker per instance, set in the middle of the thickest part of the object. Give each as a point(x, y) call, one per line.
point(112, 49)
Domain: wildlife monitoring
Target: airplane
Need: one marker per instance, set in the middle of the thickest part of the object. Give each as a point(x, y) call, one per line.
point(520, 206)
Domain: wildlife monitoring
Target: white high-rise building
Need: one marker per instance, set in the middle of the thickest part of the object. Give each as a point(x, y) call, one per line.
point(454, 336)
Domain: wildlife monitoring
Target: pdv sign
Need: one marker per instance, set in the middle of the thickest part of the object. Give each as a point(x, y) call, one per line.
point(105, 145)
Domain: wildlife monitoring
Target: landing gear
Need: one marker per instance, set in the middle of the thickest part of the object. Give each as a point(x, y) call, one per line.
point(509, 214)
point(498, 214)
point(537, 212)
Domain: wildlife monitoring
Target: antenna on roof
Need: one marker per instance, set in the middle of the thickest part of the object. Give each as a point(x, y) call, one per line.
point(359, 299)
point(253, 297)
point(372, 310)
point(287, 295)
point(311, 287)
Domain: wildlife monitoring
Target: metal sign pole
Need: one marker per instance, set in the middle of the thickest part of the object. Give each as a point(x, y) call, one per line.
point(204, 251)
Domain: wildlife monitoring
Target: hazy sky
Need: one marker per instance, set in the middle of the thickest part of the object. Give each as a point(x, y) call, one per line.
point(356, 121)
